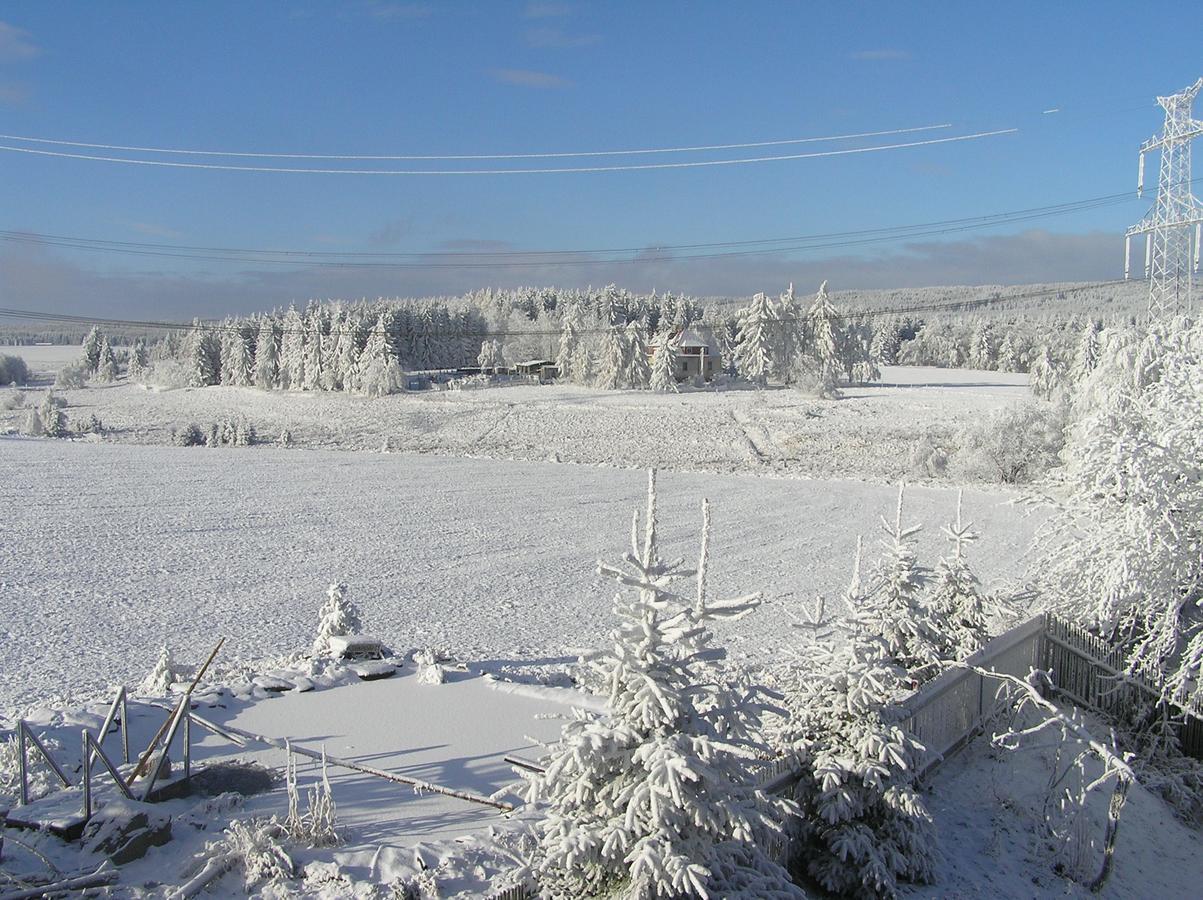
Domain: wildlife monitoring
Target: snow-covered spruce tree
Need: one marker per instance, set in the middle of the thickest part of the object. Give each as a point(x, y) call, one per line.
point(139, 359)
point(957, 608)
point(664, 364)
point(50, 413)
point(1008, 358)
point(636, 372)
point(292, 350)
point(1086, 358)
point(311, 379)
point(1045, 375)
point(202, 358)
point(893, 606)
point(613, 359)
point(267, 355)
point(338, 616)
point(490, 358)
point(654, 796)
point(377, 372)
point(822, 329)
point(864, 828)
point(91, 349)
point(106, 367)
point(159, 680)
point(755, 344)
point(582, 364)
point(570, 339)
point(789, 335)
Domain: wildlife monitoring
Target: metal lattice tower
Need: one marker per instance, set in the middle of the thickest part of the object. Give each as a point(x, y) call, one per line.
point(1167, 227)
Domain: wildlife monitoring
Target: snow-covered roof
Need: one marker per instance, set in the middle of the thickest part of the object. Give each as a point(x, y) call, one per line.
point(536, 362)
point(689, 338)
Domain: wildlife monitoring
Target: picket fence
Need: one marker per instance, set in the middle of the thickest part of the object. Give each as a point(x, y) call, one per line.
point(948, 711)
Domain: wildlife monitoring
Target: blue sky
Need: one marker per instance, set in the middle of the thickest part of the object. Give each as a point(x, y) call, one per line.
point(449, 78)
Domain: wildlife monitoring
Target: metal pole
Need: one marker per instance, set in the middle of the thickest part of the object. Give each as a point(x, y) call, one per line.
point(87, 782)
point(1127, 256)
point(124, 726)
point(187, 745)
point(21, 765)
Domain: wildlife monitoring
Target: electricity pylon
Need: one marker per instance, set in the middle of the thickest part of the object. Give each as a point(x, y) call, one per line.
point(1167, 227)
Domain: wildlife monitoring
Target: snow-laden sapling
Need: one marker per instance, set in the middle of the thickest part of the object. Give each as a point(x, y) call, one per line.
point(893, 606)
point(429, 665)
point(957, 607)
point(656, 794)
point(339, 616)
point(159, 680)
point(864, 827)
point(253, 847)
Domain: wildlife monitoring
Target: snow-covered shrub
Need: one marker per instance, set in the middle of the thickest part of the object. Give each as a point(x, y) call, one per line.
point(72, 376)
point(90, 425)
point(1014, 445)
point(236, 432)
point(13, 370)
point(188, 436)
point(159, 680)
point(12, 401)
point(317, 827)
point(864, 828)
point(285, 438)
point(656, 794)
point(928, 459)
point(338, 616)
point(47, 418)
point(255, 847)
point(429, 666)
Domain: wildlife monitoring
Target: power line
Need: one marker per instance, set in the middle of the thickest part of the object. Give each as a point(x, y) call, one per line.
point(539, 171)
point(959, 306)
point(478, 156)
point(555, 258)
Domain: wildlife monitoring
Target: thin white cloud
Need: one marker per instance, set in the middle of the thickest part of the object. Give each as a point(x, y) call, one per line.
point(557, 38)
point(13, 94)
point(378, 9)
point(890, 54)
point(528, 78)
point(547, 10)
point(15, 44)
point(152, 229)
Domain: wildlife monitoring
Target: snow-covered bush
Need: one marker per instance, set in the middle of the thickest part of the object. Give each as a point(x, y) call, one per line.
point(90, 425)
point(41, 778)
point(255, 848)
point(429, 665)
point(317, 827)
point(11, 401)
point(338, 616)
point(13, 370)
point(1014, 445)
point(47, 418)
point(236, 432)
point(72, 376)
point(928, 459)
point(188, 436)
point(656, 794)
point(166, 374)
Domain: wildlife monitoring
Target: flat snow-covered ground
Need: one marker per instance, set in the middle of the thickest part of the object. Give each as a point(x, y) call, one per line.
point(870, 433)
point(110, 551)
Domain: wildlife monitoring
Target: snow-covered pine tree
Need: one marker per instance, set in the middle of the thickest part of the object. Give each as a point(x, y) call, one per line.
point(292, 350)
point(582, 364)
point(1044, 375)
point(864, 827)
point(54, 421)
point(613, 359)
point(377, 372)
point(91, 349)
point(957, 608)
point(341, 371)
point(1089, 351)
point(655, 795)
point(636, 372)
point(1008, 358)
point(338, 616)
point(664, 364)
point(106, 367)
point(202, 357)
point(311, 377)
point(893, 607)
point(267, 355)
point(159, 680)
point(756, 341)
point(139, 359)
point(822, 328)
point(788, 335)
point(570, 338)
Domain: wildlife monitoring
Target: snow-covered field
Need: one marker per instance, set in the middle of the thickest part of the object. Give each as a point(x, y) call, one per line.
point(44, 360)
point(110, 551)
point(868, 434)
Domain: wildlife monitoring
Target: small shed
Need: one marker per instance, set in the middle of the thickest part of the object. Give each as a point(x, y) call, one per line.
point(543, 369)
point(697, 354)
